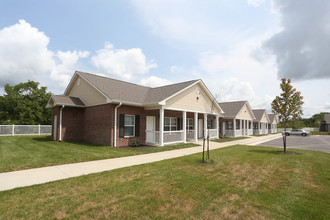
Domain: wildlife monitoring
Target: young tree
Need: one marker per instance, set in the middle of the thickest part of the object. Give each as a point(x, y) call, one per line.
point(25, 103)
point(287, 106)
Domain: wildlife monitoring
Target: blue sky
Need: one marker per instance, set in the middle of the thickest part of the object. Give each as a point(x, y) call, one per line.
point(240, 49)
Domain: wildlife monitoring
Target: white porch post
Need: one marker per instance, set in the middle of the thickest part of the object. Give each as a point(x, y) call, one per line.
point(223, 128)
point(205, 125)
point(184, 118)
point(234, 125)
point(196, 126)
point(161, 127)
point(217, 124)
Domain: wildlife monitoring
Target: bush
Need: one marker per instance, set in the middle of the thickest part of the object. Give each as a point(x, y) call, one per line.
point(135, 143)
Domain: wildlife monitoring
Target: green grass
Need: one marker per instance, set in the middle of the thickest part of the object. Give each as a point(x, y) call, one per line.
point(243, 183)
point(226, 139)
point(320, 133)
point(24, 152)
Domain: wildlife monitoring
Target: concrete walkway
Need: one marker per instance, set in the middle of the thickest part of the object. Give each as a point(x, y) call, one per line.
point(15, 179)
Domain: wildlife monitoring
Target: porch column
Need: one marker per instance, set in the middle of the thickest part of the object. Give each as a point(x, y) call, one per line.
point(223, 128)
point(217, 124)
point(196, 126)
point(161, 127)
point(184, 125)
point(234, 125)
point(205, 125)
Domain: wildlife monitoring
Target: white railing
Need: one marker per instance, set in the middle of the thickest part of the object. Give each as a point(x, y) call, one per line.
point(12, 130)
point(256, 131)
point(238, 133)
point(190, 135)
point(229, 133)
point(173, 136)
point(213, 133)
point(250, 131)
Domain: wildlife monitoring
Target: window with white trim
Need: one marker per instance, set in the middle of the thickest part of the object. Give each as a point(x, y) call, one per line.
point(190, 124)
point(229, 125)
point(129, 125)
point(170, 124)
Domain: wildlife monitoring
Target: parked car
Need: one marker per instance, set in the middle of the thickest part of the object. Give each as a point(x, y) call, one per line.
point(297, 132)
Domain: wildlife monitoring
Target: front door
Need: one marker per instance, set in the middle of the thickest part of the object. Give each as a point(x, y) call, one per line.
point(200, 128)
point(150, 130)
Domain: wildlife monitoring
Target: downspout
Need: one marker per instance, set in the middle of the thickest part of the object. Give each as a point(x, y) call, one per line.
point(60, 127)
point(115, 126)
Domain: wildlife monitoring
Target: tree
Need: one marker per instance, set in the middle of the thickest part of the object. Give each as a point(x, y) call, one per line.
point(287, 106)
point(25, 103)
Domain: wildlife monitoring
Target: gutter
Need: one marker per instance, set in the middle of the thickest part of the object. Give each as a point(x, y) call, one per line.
point(115, 126)
point(60, 127)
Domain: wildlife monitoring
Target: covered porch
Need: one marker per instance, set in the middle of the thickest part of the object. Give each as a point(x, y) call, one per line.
point(168, 126)
point(260, 128)
point(236, 127)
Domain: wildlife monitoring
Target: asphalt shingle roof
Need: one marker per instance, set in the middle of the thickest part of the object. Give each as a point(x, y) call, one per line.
point(258, 113)
point(130, 92)
point(271, 117)
point(67, 100)
point(231, 109)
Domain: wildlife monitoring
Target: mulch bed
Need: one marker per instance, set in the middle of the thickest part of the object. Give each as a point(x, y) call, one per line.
point(141, 146)
point(206, 162)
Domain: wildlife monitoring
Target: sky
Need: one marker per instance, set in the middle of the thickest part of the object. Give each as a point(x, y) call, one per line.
point(240, 49)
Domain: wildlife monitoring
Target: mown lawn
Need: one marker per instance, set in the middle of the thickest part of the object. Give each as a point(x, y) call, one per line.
point(226, 139)
point(24, 152)
point(320, 132)
point(243, 183)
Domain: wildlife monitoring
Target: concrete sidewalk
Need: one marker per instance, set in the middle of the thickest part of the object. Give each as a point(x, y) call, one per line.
point(11, 180)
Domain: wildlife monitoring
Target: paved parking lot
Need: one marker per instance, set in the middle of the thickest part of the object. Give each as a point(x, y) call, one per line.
point(312, 142)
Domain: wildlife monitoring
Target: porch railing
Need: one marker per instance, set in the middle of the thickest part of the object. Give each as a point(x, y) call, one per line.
point(213, 133)
point(190, 135)
point(152, 137)
point(229, 133)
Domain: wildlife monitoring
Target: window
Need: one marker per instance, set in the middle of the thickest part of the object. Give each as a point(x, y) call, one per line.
point(129, 125)
point(170, 124)
point(209, 124)
point(229, 125)
point(189, 124)
point(238, 123)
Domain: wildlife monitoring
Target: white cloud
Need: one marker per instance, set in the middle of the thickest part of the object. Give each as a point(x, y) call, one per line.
point(68, 60)
point(255, 3)
point(154, 81)
point(120, 63)
point(24, 53)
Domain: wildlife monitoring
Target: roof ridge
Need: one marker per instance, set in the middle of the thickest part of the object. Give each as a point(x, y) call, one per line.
point(232, 102)
point(114, 79)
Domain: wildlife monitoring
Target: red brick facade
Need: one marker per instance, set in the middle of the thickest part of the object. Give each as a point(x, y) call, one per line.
point(95, 124)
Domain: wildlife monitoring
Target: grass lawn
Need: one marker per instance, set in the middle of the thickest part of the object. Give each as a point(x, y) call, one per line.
point(24, 152)
point(243, 183)
point(320, 132)
point(226, 139)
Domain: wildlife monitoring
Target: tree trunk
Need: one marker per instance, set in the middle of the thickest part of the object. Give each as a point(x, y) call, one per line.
point(284, 138)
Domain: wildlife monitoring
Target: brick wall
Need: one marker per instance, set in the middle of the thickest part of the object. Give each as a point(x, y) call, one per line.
point(97, 124)
point(72, 123)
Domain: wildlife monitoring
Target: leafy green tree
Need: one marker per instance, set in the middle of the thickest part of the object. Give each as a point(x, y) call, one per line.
point(287, 106)
point(25, 103)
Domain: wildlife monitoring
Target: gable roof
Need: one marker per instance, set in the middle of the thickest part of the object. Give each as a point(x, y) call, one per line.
point(65, 100)
point(118, 90)
point(272, 117)
point(259, 113)
point(232, 109)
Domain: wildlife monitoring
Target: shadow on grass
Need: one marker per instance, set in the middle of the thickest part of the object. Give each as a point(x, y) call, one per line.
point(83, 143)
point(277, 152)
point(42, 138)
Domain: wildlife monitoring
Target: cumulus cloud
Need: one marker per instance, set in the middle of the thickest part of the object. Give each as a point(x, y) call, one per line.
point(120, 63)
point(24, 55)
point(255, 3)
point(67, 62)
point(154, 81)
point(302, 47)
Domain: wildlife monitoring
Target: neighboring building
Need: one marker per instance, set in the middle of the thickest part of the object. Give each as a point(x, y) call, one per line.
point(272, 126)
point(325, 125)
point(260, 124)
point(237, 120)
point(111, 112)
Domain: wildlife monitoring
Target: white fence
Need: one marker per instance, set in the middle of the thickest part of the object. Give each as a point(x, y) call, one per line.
point(12, 130)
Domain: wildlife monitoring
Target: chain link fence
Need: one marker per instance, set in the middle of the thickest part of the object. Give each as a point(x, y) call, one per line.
point(12, 130)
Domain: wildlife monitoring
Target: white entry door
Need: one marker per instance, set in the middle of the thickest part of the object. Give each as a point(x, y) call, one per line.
point(54, 127)
point(200, 128)
point(150, 130)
